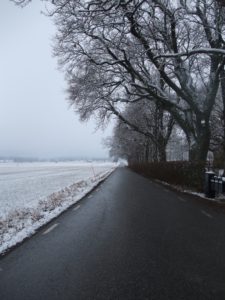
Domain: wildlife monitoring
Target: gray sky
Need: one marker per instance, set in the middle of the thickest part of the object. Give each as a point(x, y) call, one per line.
point(35, 119)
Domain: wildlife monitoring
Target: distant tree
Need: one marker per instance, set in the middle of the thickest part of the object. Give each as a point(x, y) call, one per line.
point(128, 144)
point(135, 146)
point(21, 2)
point(177, 147)
point(221, 2)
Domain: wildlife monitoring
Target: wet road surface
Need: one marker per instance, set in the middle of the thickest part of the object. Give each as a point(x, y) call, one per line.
point(129, 239)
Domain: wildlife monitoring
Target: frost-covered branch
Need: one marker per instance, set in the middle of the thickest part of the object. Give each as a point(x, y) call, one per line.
point(208, 51)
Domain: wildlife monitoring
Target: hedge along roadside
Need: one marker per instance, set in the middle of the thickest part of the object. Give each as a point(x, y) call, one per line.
point(181, 173)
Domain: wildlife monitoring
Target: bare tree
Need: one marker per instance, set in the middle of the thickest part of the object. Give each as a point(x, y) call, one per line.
point(122, 51)
point(221, 2)
point(151, 146)
point(128, 144)
point(177, 147)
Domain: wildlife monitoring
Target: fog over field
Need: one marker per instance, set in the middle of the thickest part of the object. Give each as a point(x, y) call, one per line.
point(35, 119)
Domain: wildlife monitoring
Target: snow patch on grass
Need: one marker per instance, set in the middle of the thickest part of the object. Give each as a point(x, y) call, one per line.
point(21, 223)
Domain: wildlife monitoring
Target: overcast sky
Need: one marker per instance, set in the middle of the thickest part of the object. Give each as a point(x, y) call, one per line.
point(35, 119)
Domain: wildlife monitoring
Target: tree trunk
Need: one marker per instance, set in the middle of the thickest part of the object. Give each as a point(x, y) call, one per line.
point(147, 151)
point(222, 82)
point(162, 155)
point(200, 149)
point(162, 150)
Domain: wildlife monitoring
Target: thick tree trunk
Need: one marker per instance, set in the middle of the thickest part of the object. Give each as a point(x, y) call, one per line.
point(162, 155)
point(200, 149)
point(162, 150)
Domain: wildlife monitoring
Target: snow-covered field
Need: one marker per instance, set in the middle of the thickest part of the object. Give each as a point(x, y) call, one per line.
point(31, 194)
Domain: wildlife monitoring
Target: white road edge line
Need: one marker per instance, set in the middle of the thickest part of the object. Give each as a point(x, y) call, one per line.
point(50, 229)
point(206, 214)
point(77, 207)
point(182, 199)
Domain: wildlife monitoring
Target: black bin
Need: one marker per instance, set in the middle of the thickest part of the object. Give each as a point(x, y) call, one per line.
point(208, 186)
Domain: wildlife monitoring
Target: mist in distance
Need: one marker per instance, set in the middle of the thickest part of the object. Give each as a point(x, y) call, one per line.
point(35, 119)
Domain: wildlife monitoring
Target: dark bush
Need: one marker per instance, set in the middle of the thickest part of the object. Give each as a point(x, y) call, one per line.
point(218, 164)
point(182, 173)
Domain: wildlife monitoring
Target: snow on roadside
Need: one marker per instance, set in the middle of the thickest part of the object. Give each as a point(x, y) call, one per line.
point(218, 199)
point(22, 223)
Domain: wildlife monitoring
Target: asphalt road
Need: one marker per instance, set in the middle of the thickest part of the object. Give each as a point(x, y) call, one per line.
point(130, 239)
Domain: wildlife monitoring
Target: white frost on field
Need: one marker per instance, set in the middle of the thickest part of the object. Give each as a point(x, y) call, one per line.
point(33, 194)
